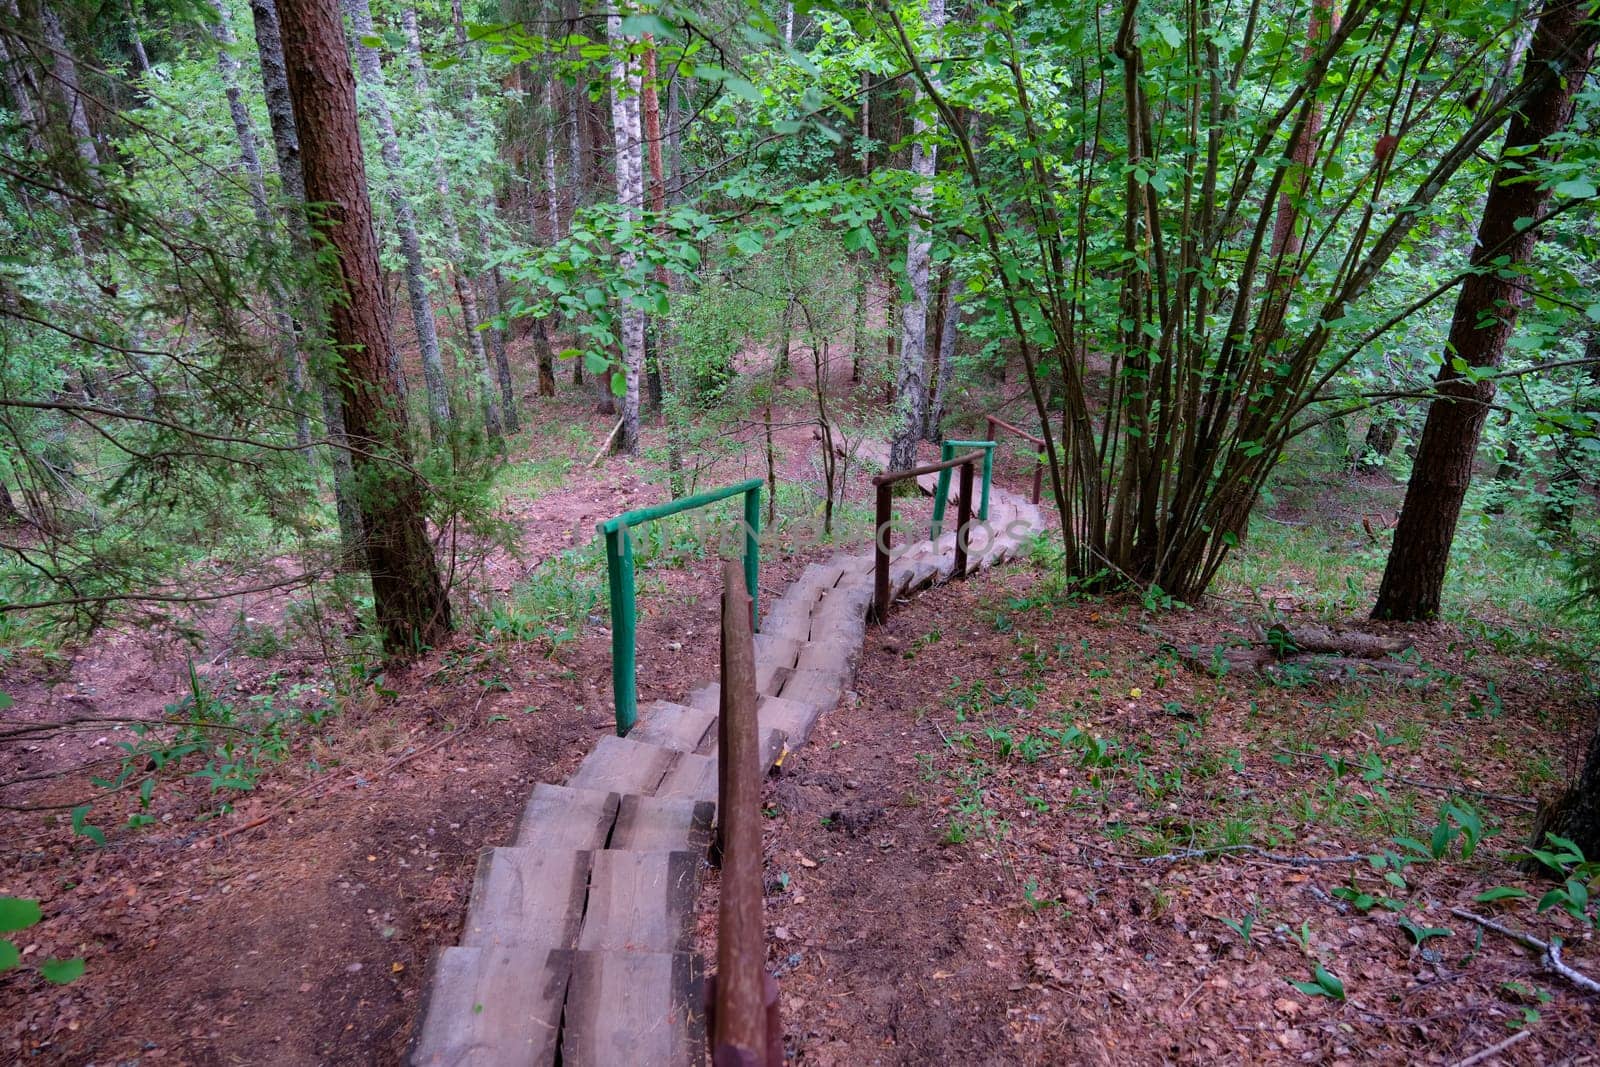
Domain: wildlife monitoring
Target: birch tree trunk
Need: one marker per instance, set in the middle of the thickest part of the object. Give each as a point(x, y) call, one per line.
point(410, 601)
point(375, 101)
point(911, 382)
point(291, 181)
point(625, 86)
point(465, 296)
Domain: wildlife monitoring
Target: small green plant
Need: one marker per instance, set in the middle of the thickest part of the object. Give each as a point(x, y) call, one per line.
point(1578, 874)
point(16, 914)
point(1323, 984)
point(1242, 927)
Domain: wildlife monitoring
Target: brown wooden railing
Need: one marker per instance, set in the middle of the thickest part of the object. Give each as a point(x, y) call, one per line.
point(742, 997)
point(885, 520)
point(1038, 471)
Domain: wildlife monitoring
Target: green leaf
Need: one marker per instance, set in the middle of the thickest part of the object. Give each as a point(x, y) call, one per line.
point(639, 25)
point(739, 87)
point(595, 362)
point(1500, 892)
point(9, 956)
point(1169, 33)
point(1330, 985)
point(81, 827)
point(1575, 187)
point(60, 972)
point(619, 384)
point(1419, 934)
point(5, 698)
point(748, 243)
point(17, 913)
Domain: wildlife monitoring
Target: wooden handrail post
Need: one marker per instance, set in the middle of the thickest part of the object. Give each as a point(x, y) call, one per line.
point(880, 555)
point(740, 1010)
point(963, 519)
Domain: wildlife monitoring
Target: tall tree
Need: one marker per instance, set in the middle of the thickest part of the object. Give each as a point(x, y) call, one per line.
point(292, 188)
point(376, 103)
point(625, 87)
point(412, 606)
point(911, 379)
point(466, 296)
point(1487, 308)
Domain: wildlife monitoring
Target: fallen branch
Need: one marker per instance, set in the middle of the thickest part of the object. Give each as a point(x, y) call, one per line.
point(1551, 950)
point(1493, 1050)
point(1222, 850)
point(606, 447)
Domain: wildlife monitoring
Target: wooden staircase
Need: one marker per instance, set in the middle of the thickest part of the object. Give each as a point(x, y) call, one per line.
point(578, 938)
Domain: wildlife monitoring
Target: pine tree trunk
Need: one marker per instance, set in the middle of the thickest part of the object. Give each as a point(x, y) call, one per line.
point(625, 86)
point(291, 182)
point(375, 101)
point(1575, 814)
point(412, 607)
point(1485, 318)
point(466, 297)
point(911, 379)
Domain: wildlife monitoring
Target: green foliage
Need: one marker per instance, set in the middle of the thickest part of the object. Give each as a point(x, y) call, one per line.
point(16, 914)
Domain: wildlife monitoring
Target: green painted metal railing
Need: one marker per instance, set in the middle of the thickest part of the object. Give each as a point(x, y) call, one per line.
point(619, 573)
point(947, 452)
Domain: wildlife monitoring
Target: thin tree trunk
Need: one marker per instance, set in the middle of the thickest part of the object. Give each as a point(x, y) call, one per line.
point(625, 87)
point(1485, 318)
point(375, 100)
point(949, 333)
point(911, 382)
point(490, 279)
point(466, 297)
point(141, 60)
point(410, 601)
point(67, 86)
point(249, 157)
point(291, 181)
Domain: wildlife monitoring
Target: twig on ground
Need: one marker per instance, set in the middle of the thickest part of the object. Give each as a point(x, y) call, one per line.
point(1222, 850)
point(1494, 1049)
point(606, 447)
point(1550, 949)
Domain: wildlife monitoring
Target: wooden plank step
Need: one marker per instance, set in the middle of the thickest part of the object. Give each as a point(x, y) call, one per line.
point(770, 677)
point(777, 649)
point(676, 726)
point(693, 777)
point(527, 896)
point(640, 901)
point(560, 817)
point(641, 1008)
point(773, 741)
point(836, 654)
point(819, 689)
point(621, 765)
point(790, 718)
point(660, 824)
point(492, 1006)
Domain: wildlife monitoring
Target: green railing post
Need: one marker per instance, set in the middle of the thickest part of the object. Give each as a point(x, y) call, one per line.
point(947, 452)
point(752, 553)
point(624, 623)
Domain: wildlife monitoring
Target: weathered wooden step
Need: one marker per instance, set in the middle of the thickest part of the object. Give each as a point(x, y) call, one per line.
point(560, 817)
point(622, 765)
point(836, 654)
point(640, 901)
point(792, 719)
point(661, 824)
point(777, 650)
point(675, 726)
point(692, 777)
point(527, 896)
point(488, 1007)
point(627, 1008)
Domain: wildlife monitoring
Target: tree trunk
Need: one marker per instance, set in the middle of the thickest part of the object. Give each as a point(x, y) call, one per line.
point(949, 334)
point(1575, 814)
point(1382, 433)
point(1485, 318)
point(313, 337)
point(466, 296)
point(911, 381)
point(625, 87)
point(375, 100)
point(244, 131)
point(412, 607)
point(67, 87)
point(489, 280)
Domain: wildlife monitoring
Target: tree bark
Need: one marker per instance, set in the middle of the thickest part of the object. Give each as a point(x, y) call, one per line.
point(376, 103)
point(466, 296)
point(67, 86)
point(949, 334)
point(141, 59)
point(412, 607)
point(911, 379)
point(1575, 814)
point(625, 87)
point(1485, 317)
point(313, 331)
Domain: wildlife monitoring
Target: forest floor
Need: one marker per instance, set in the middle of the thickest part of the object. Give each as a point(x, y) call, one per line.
point(1039, 833)
point(945, 885)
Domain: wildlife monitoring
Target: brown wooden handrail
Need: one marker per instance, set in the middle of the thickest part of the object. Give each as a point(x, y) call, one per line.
point(1038, 472)
point(745, 1030)
point(885, 519)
